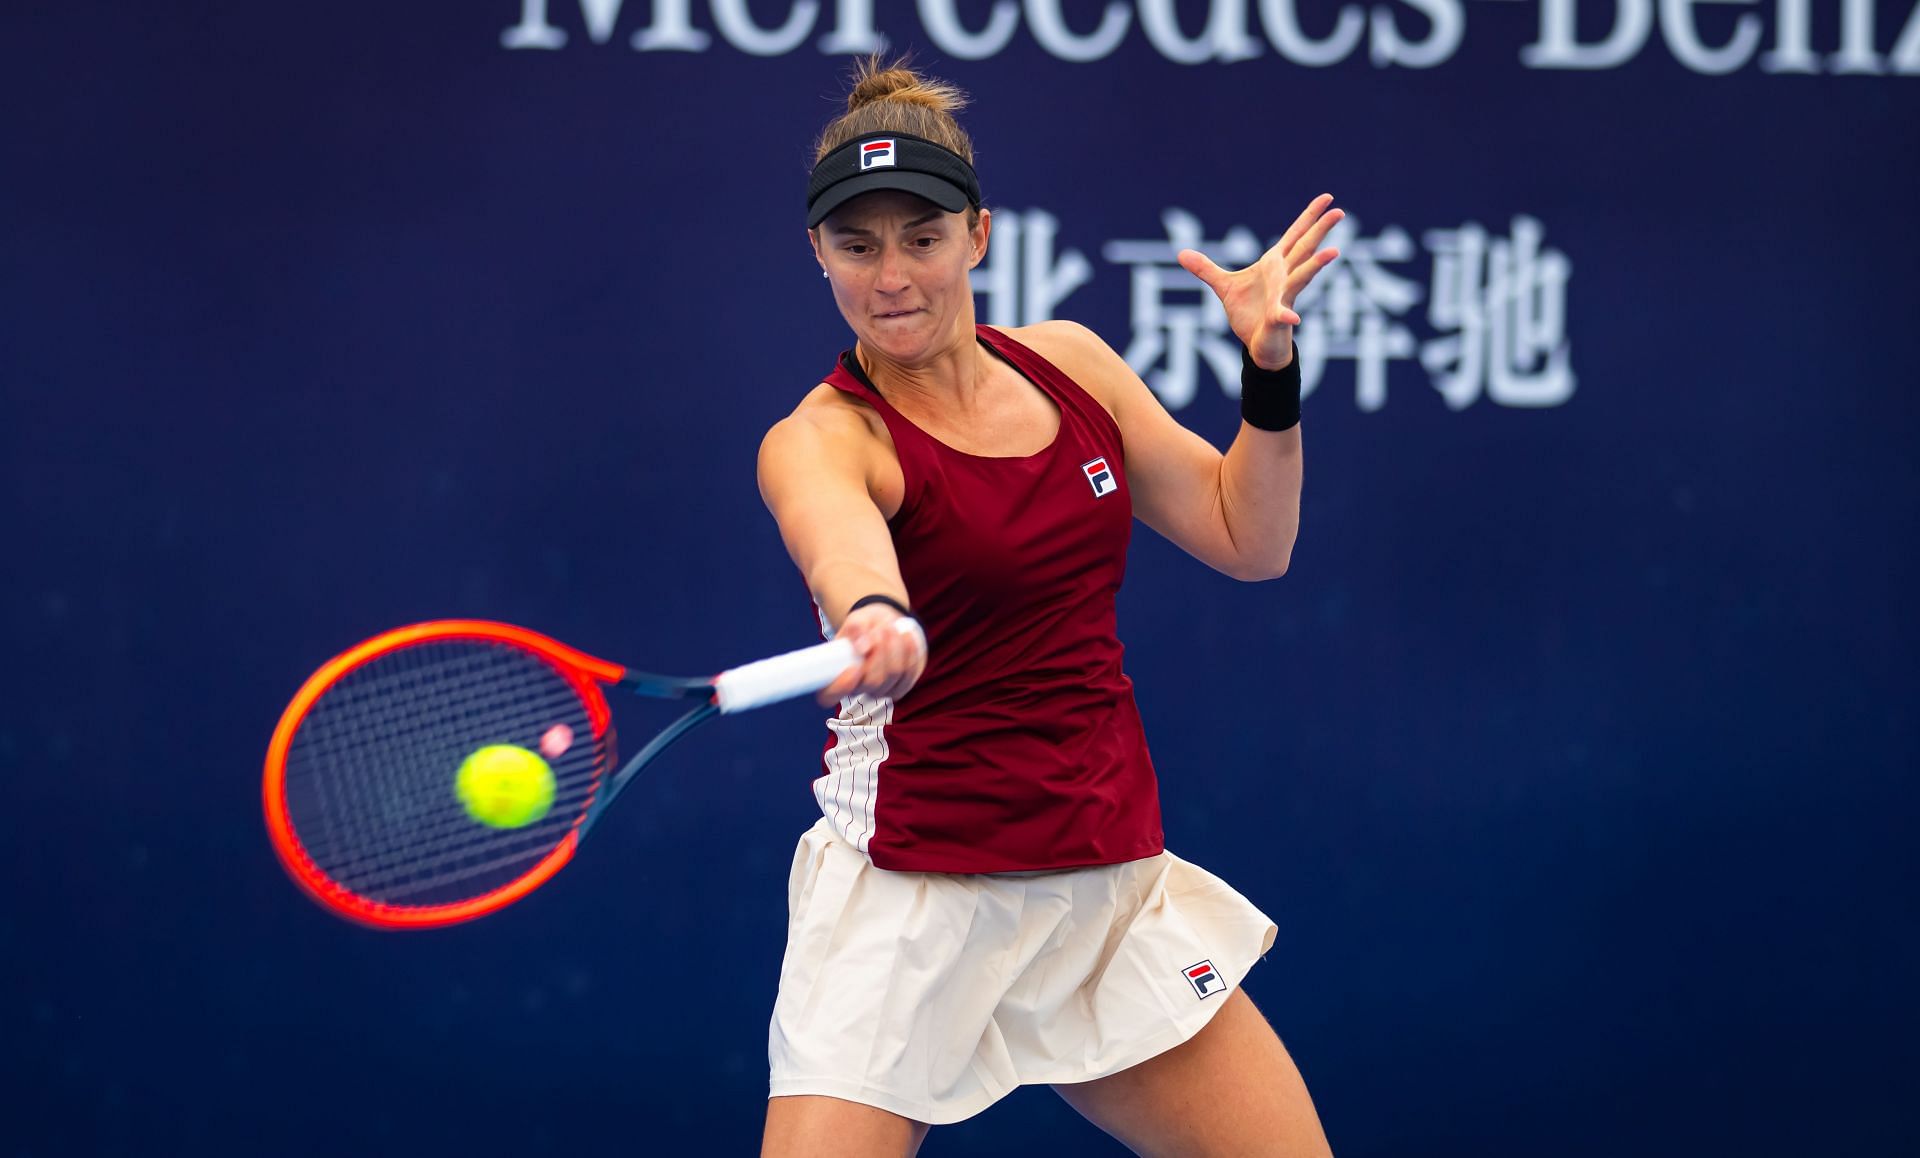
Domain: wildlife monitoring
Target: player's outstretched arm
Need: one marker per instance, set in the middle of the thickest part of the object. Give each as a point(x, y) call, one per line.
point(814, 471)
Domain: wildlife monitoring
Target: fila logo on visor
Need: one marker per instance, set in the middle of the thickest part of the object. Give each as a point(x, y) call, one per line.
point(1204, 978)
point(1102, 479)
point(876, 155)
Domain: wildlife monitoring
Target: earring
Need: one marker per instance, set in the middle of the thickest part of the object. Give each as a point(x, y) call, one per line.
point(824, 273)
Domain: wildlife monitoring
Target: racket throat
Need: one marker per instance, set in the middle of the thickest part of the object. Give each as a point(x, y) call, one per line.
point(659, 687)
point(645, 756)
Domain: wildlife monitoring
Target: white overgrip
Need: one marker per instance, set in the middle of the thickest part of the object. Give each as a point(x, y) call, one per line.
point(782, 677)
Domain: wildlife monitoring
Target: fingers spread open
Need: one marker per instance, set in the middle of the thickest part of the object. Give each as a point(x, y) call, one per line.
point(1303, 249)
point(1298, 277)
point(1305, 221)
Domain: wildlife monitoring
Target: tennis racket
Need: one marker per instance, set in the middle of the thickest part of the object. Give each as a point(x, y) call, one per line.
point(360, 795)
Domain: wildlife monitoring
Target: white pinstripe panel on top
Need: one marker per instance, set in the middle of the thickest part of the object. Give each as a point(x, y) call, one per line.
point(848, 790)
point(846, 793)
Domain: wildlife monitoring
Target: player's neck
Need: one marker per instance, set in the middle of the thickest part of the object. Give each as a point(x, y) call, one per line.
point(948, 379)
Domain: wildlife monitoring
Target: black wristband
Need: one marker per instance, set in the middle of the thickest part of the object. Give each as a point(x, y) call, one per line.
point(889, 600)
point(1270, 399)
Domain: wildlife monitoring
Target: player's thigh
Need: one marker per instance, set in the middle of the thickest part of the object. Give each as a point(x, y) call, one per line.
point(1230, 1090)
point(813, 1126)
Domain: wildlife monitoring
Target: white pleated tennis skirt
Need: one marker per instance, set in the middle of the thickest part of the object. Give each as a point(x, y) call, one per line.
point(932, 995)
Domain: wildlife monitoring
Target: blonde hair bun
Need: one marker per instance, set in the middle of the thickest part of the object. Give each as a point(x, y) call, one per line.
point(899, 83)
point(892, 98)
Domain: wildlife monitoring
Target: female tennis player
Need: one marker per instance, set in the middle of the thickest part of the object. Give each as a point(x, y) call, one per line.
point(986, 900)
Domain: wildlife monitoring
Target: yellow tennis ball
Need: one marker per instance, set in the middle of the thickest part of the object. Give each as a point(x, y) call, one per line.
point(504, 786)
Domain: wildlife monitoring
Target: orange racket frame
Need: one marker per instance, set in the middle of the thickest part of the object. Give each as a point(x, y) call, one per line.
point(584, 672)
point(747, 686)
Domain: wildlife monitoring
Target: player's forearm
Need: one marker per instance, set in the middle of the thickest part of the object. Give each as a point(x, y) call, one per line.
point(1260, 477)
point(838, 584)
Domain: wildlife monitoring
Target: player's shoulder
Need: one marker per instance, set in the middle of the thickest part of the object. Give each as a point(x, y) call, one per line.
point(826, 419)
point(1057, 336)
point(1079, 353)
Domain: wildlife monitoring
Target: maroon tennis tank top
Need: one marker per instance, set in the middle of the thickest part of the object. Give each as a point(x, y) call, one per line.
point(1021, 746)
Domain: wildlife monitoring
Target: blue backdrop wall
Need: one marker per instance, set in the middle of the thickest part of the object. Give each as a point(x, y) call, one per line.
point(1573, 757)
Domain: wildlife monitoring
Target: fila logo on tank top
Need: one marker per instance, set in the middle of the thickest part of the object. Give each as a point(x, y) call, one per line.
point(1021, 747)
point(1101, 478)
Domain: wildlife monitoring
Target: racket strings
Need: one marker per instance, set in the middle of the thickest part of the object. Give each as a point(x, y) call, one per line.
point(421, 797)
point(424, 804)
point(447, 839)
point(384, 836)
point(366, 800)
point(366, 738)
point(370, 774)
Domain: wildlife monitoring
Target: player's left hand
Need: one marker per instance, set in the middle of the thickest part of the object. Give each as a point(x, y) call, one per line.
point(1259, 299)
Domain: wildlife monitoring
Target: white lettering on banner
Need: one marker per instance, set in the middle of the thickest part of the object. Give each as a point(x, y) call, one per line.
point(1683, 38)
point(1497, 306)
point(1791, 50)
point(1227, 36)
point(943, 24)
point(1169, 336)
point(672, 30)
point(1050, 29)
point(1506, 303)
point(1449, 23)
point(533, 31)
point(1345, 311)
point(1906, 50)
point(1283, 29)
point(736, 24)
point(1021, 279)
point(1856, 40)
point(853, 30)
point(1557, 48)
point(1633, 22)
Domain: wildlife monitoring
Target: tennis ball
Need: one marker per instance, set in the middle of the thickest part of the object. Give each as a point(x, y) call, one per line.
point(504, 786)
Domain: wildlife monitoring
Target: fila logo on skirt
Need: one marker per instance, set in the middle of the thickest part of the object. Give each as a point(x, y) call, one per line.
point(1204, 978)
point(1100, 477)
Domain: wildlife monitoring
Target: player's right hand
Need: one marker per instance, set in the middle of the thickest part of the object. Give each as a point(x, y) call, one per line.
point(892, 650)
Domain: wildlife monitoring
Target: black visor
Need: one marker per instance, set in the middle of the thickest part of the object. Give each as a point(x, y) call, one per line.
point(890, 161)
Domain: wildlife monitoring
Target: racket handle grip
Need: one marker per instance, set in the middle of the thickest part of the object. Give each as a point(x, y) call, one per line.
point(768, 681)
